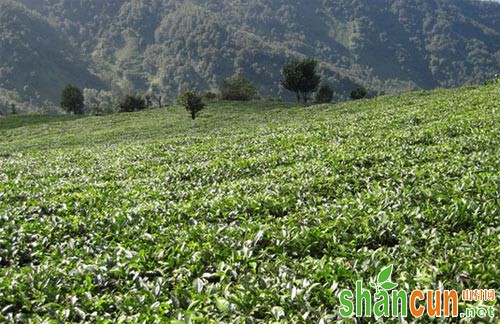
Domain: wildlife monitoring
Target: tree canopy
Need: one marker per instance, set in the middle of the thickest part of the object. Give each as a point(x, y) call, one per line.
point(193, 103)
point(72, 100)
point(324, 94)
point(301, 77)
point(132, 102)
point(358, 93)
point(237, 88)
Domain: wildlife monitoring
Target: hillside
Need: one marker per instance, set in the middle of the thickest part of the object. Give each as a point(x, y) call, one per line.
point(36, 58)
point(168, 46)
point(253, 212)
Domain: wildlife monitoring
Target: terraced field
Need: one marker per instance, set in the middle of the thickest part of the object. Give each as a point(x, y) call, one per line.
point(254, 212)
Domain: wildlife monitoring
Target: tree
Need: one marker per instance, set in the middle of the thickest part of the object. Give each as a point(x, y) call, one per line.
point(237, 88)
point(155, 93)
point(159, 99)
point(149, 102)
point(72, 100)
point(99, 102)
point(192, 102)
point(131, 103)
point(301, 77)
point(358, 93)
point(324, 94)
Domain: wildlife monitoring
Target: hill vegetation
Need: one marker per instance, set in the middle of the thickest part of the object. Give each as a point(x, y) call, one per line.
point(167, 47)
point(253, 212)
point(36, 59)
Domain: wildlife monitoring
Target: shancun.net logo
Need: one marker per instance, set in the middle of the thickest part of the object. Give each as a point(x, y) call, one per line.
point(389, 302)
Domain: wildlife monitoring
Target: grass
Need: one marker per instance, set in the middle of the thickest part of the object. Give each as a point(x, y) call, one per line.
point(255, 212)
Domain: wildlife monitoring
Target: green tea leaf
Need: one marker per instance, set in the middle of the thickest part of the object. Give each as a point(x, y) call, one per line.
point(198, 285)
point(278, 312)
point(223, 305)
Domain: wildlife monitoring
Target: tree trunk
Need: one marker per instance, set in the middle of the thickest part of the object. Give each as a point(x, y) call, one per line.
point(193, 115)
point(298, 97)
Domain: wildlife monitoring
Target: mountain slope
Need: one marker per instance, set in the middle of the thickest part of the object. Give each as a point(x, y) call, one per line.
point(37, 59)
point(387, 46)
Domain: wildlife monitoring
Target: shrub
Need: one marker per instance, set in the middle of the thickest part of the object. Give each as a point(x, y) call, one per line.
point(237, 88)
point(495, 80)
point(358, 93)
point(131, 103)
point(72, 100)
point(192, 101)
point(324, 94)
point(209, 95)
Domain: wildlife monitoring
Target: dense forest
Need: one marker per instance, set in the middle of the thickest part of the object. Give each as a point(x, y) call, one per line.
point(169, 46)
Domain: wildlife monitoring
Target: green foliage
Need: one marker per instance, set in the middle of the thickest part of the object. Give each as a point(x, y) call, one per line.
point(13, 109)
point(301, 77)
point(494, 80)
point(293, 76)
point(324, 94)
point(209, 95)
point(39, 59)
point(137, 45)
point(358, 93)
point(72, 100)
point(237, 88)
point(132, 102)
point(264, 218)
point(99, 102)
point(10, 97)
point(192, 101)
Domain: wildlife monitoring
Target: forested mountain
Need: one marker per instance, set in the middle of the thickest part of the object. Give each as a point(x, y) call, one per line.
point(36, 58)
point(167, 46)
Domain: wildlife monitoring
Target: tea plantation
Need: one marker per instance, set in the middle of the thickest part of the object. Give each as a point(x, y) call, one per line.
point(254, 212)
